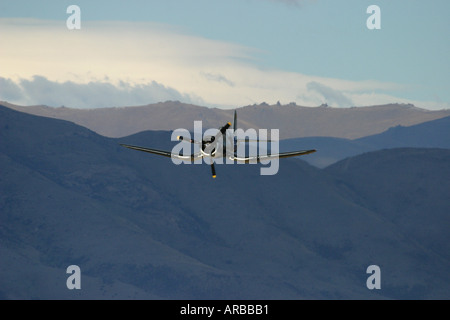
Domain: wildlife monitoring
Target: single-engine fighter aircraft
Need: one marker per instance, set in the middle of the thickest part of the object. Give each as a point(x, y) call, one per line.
point(210, 147)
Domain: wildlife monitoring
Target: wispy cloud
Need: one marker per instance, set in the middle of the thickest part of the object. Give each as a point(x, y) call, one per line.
point(132, 63)
point(217, 78)
point(330, 95)
point(10, 90)
point(94, 94)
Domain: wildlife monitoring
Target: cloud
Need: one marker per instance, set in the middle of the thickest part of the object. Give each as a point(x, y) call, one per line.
point(331, 96)
point(10, 90)
point(217, 78)
point(112, 63)
point(142, 54)
point(95, 94)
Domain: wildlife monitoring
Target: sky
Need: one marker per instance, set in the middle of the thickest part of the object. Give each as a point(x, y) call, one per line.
point(225, 54)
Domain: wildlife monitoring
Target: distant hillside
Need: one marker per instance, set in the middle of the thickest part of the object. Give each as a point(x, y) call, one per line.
point(292, 121)
point(431, 134)
point(409, 187)
point(141, 227)
point(329, 150)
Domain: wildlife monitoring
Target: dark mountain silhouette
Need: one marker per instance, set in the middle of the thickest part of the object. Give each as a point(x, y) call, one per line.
point(293, 121)
point(431, 134)
point(329, 150)
point(412, 191)
point(141, 227)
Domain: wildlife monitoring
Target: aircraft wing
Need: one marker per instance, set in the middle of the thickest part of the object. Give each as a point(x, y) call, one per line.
point(258, 159)
point(168, 154)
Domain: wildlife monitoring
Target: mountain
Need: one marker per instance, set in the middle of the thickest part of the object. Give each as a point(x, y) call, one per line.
point(329, 149)
point(139, 226)
point(411, 187)
point(293, 121)
point(430, 134)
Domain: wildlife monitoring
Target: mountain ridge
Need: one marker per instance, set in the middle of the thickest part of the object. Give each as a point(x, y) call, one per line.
point(293, 121)
point(140, 227)
point(430, 134)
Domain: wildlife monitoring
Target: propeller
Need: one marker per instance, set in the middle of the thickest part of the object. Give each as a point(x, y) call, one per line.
point(222, 131)
point(211, 148)
point(213, 169)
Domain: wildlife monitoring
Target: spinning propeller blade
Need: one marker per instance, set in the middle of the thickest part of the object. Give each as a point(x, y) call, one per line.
point(222, 130)
point(213, 169)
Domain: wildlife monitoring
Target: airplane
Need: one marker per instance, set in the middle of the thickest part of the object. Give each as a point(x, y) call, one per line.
point(210, 148)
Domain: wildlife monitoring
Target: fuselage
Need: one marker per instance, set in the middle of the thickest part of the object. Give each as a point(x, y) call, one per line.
point(218, 149)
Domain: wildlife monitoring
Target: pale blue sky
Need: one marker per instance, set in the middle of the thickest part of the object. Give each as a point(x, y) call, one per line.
point(320, 38)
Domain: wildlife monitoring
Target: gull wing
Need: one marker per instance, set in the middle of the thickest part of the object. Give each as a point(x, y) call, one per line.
point(168, 154)
point(258, 159)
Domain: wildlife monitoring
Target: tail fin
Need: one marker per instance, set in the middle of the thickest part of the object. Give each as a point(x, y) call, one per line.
point(234, 132)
